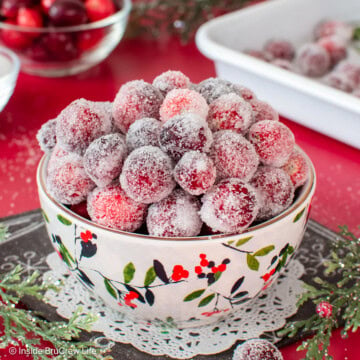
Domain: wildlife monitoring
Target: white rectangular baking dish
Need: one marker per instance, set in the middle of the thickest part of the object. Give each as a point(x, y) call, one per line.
point(304, 100)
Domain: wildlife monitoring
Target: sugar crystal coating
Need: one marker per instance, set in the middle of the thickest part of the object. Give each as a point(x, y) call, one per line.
point(350, 71)
point(80, 123)
point(273, 141)
point(313, 60)
point(233, 156)
point(183, 133)
point(335, 46)
point(182, 101)
point(103, 159)
point(263, 111)
point(195, 172)
point(297, 168)
point(135, 100)
point(68, 182)
point(334, 27)
point(280, 49)
point(356, 93)
point(175, 216)
point(230, 112)
point(212, 88)
point(110, 206)
point(275, 191)
point(257, 349)
point(146, 176)
point(46, 136)
point(245, 93)
point(143, 132)
point(340, 81)
point(229, 206)
point(170, 80)
point(57, 154)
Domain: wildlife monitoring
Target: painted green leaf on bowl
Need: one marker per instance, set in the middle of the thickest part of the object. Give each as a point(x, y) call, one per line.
point(150, 276)
point(207, 300)
point(299, 215)
point(129, 272)
point(194, 295)
point(64, 220)
point(252, 262)
point(110, 289)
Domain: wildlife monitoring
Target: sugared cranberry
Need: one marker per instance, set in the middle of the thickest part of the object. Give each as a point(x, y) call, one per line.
point(340, 81)
point(273, 141)
point(135, 100)
point(171, 80)
point(110, 206)
point(175, 216)
point(68, 182)
point(284, 64)
point(324, 309)
point(213, 88)
point(230, 112)
point(80, 123)
point(297, 168)
point(230, 206)
point(313, 60)
point(67, 13)
point(183, 133)
point(275, 191)
point(15, 39)
point(356, 93)
point(334, 27)
point(195, 172)
point(182, 101)
point(46, 136)
point(263, 111)
point(245, 93)
point(233, 156)
point(57, 154)
point(350, 70)
point(280, 49)
point(258, 54)
point(147, 175)
point(257, 349)
point(103, 159)
point(336, 48)
point(61, 46)
point(99, 9)
point(143, 132)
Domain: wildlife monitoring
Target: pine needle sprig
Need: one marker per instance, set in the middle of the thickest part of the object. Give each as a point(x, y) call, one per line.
point(343, 298)
point(3, 232)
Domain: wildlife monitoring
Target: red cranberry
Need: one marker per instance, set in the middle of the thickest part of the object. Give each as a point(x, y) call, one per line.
point(87, 40)
point(99, 9)
point(38, 51)
point(61, 46)
point(15, 39)
point(9, 8)
point(313, 60)
point(29, 18)
point(280, 49)
point(46, 5)
point(67, 13)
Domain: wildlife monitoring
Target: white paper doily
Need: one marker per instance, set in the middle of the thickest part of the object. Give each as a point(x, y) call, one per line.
point(265, 313)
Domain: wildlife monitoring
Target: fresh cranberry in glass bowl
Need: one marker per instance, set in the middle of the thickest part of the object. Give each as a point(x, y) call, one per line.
point(62, 37)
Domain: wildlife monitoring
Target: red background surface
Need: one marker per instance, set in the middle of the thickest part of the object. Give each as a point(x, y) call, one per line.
point(36, 100)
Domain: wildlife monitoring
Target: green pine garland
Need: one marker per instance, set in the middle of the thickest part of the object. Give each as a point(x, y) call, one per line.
point(344, 297)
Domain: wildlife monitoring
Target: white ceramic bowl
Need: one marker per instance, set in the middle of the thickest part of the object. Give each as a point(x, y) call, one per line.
point(9, 71)
point(304, 100)
point(155, 279)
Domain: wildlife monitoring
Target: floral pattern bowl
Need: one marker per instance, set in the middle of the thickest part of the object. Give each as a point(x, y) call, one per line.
point(185, 282)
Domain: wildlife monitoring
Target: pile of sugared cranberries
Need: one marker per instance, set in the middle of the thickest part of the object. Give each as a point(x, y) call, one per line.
point(257, 349)
point(52, 14)
point(173, 158)
point(325, 57)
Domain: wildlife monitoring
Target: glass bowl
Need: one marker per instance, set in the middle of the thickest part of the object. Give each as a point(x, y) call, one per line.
point(62, 51)
point(9, 71)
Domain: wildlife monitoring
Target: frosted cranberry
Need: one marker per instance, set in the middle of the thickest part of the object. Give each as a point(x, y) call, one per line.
point(275, 191)
point(258, 54)
point(230, 206)
point(99, 9)
point(340, 81)
point(284, 64)
point(245, 93)
point(171, 80)
point(263, 111)
point(233, 156)
point(110, 206)
point(80, 209)
point(15, 39)
point(350, 71)
point(67, 13)
point(9, 8)
point(334, 27)
point(297, 168)
point(195, 173)
point(104, 158)
point(182, 101)
point(213, 88)
point(135, 100)
point(29, 18)
point(147, 175)
point(80, 123)
point(68, 182)
point(46, 136)
point(230, 112)
point(336, 48)
point(143, 132)
point(87, 40)
point(61, 46)
point(46, 5)
point(356, 93)
point(280, 49)
point(313, 60)
point(175, 216)
point(257, 349)
point(183, 133)
point(273, 141)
